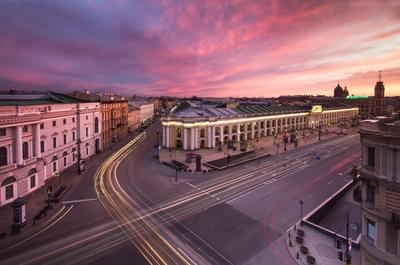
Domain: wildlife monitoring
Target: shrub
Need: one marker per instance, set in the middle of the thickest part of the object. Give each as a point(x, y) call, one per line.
point(310, 260)
point(299, 239)
point(304, 250)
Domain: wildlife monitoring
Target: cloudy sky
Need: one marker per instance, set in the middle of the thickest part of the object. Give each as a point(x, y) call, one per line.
point(203, 48)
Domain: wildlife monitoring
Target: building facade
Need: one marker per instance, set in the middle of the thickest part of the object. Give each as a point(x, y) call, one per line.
point(146, 109)
point(114, 120)
point(190, 126)
point(380, 174)
point(134, 121)
point(41, 134)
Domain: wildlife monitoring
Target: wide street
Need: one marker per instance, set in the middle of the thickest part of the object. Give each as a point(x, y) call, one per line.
point(136, 213)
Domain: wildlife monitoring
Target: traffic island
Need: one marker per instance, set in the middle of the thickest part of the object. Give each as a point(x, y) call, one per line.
point(234, 160)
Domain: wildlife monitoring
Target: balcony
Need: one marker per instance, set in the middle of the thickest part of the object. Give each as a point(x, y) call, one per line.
point(29, 160)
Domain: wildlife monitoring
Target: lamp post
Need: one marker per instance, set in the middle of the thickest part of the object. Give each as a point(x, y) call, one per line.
point(285, 139)
point(157, 151)
point(301, 212)
point(319, 132)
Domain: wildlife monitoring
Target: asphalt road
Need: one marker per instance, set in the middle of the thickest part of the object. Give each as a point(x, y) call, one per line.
point(237, 216)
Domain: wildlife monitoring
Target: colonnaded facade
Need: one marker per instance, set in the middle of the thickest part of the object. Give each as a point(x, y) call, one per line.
point(41, 134)
point(193, 126)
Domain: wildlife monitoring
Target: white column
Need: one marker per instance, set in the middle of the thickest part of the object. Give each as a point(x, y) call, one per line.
point(185, 139)
point(36, 141)
point(265, 128)
point(259, 129)
point(212, 137)
point(196, 138)
point(191, 138)
point(230, 132)
point(18, 145)
point(221, 134)
point(209, 137)
point(238, 133)
point(167, 130)
point(164, 136)
point(252, 130)
point(245, 131)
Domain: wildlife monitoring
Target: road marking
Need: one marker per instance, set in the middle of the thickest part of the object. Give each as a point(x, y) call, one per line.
point(243, 194)
point(340, 174)
point(330, 182)
point(82, 200)
point(186, 256)
point(191, 185)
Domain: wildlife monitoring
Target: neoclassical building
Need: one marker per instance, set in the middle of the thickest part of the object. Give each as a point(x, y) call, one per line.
point(41, 134)
point(193, 126)
point(380, 174)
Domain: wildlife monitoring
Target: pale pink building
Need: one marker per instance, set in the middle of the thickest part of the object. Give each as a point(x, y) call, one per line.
point(41, 134)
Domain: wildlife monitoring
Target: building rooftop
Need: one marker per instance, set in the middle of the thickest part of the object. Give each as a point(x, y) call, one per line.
point(189, 109)
point(24, 98)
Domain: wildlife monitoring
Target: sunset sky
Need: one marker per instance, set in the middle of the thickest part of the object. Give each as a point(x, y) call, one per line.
point(203, 48)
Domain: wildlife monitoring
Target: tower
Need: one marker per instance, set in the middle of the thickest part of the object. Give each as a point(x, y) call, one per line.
point(379, 96)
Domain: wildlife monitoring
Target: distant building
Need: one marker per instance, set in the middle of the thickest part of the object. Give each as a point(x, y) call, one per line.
point(379, 98)
point(41, 134)
point(339, 92)
point(193, 126)
point(380, 173)
point(134, 121)
point(146, 109)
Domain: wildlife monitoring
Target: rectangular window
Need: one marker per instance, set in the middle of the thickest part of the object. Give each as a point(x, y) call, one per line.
point(73, 120)
point(65, 161)
point(54, 142)
point(42, 146)
point(73, 157)
point(87, 132)
point(33, 181)
point(54, 123)
point(73, 136)
point(65, 138)
point(9, 192)
point(2, 131)
point(371, 194)
point(371, 229)
point(54, 166)
point(42, 125)
point(25, 128)
point(371, 156)
point(64, 121)
point(87, 117)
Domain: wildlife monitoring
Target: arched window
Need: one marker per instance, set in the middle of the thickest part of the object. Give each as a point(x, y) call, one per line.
point(32, 171)
point(65, 158)
point(8, 181)
point(25, 150)
point(73, 154)
point(3, 156)
point(32, 178)
point(8, 185)
point(96, 125)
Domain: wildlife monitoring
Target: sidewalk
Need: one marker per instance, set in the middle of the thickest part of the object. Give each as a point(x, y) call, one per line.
point(36, 200)
point(262, 146)
point(319, 245)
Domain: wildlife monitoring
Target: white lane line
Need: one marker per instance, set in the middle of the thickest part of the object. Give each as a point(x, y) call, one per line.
point(82, 200)
point(191, 185)
point(186, 256)
point(330, 182)
point(244, 194)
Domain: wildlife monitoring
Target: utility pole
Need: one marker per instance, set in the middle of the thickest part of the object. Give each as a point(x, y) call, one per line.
point(301, 212)
point(319, 133)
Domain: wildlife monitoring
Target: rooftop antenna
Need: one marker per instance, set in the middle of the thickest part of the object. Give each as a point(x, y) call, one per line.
point(380, 73)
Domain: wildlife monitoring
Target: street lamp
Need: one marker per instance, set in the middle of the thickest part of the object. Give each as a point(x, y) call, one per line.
point(319, 132)
point(301, 212)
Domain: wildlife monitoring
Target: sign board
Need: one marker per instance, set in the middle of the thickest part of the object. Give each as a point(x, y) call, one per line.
point(316, 108)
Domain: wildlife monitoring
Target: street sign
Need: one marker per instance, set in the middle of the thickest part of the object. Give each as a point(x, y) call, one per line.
point(56, 174)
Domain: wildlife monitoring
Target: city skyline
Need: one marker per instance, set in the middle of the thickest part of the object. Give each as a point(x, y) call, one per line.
point(216, 49)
